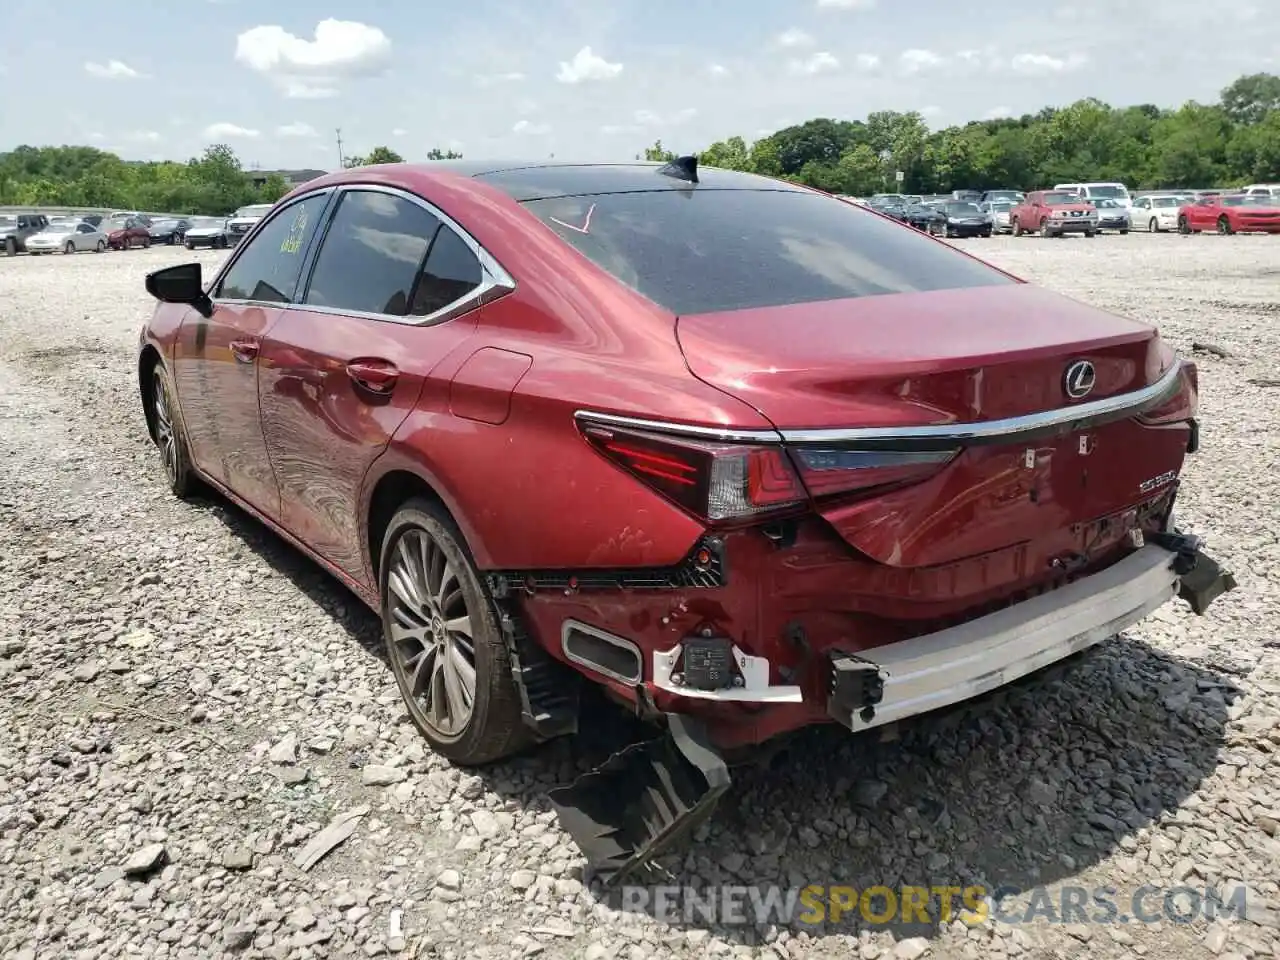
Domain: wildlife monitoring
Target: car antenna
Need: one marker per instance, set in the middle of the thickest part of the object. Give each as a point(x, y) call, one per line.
point(682, 168)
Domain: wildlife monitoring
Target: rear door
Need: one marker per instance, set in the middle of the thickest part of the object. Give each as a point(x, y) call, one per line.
point(394, 288)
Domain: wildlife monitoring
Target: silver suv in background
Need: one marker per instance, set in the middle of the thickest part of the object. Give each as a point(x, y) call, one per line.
point(242, 221)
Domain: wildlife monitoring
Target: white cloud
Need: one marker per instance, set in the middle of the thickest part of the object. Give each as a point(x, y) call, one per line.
point(1043, 63)
point(311, 69)
point(998, 113)
point(296, 130)
point(846, 4)
point(530, 128)
point(717, 70)
point(586, 66)
point(795, 37)
point(230, 131)
point(399, 132)
point(647, 118)
point(820, 62)
point(917, 60)
point(111, 70)
point(868, 61)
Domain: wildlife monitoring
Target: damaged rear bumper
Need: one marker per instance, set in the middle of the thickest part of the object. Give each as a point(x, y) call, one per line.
point(915, 676)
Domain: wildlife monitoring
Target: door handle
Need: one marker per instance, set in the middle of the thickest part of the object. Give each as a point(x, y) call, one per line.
point(375, 376)
point(245, 351)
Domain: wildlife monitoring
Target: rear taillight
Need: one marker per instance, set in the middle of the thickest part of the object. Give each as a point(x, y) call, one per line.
point(719, 482)
point(1183, 404)
point(831, 471)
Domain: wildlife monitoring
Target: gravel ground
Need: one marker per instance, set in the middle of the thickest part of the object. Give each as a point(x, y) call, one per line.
point(187, 703)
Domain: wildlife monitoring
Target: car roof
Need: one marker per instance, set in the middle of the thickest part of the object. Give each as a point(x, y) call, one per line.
point(542, 179)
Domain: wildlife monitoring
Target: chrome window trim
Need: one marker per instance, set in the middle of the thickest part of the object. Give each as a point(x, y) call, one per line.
point(495, 280)
point(1078, 415)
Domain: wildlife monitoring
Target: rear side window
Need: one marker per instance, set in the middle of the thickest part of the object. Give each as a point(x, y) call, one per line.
point(371, 254)
point(714, 250)
point(451, 272)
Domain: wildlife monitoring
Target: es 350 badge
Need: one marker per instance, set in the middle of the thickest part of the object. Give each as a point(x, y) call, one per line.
point(1146, 486)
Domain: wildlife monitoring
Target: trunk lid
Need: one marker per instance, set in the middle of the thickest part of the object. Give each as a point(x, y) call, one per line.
point(950, 358)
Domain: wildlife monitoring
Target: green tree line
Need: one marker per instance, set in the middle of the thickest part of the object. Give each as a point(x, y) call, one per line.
point(1228, 143)
point(213, 183)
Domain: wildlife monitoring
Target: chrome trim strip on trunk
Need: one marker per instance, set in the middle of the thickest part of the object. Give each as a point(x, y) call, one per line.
point(1074, 417)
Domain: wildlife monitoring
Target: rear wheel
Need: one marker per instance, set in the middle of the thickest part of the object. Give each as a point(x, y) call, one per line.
point(10, 247)
point(190, 245)
point(443, 639)
point(101, 247)
point(69, 248)
point(1153, 225)
point(1123, 231)
point(1184, 225)
point(1090, 233)
point(220, 243)
point(1224, 226)
point(146, 242)
point(1015, 227)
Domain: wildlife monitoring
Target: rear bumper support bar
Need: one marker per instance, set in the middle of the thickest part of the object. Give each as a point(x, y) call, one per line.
point(940, 669)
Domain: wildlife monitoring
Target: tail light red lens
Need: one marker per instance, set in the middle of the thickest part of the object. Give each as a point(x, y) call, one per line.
point(715, 481)
point(1182, 405)
point(831, 471)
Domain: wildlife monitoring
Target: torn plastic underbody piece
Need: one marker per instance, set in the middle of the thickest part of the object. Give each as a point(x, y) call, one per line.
point(643, 800)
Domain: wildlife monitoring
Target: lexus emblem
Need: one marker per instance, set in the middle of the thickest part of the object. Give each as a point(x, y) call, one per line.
point(1079, 379)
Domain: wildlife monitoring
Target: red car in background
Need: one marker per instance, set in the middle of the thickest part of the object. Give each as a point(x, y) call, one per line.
point(1230, 213)
point(1053, 213)
point(126, 234)
point(745, 456)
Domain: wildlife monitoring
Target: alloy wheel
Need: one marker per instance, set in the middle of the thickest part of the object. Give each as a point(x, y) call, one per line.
point(166, 440)
point(431, 633)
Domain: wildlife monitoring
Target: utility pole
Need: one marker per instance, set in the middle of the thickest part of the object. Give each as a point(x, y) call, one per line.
point(341, 158)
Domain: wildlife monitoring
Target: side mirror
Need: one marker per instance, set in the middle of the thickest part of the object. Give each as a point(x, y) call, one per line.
point(181, 284)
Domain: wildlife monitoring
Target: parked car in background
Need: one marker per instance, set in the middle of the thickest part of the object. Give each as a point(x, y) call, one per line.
point(923, 216)
point(999, 210)
point(1157, 212)
point(1015, 196)
point(67, 237)
point(243, 220)
point(1053, 213)
point(207, 232)
point(969, 196)
point(126, 233)
point(1232, 213)
point(15, 229)
point(960, 218)
point(93, 219)
point(1268, 191)
point(1098, 191)
point(820, 544)
point(168, 231)
point(1112, 215)
point(142, 218)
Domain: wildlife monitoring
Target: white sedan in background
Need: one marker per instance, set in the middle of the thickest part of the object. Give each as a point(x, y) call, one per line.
point(67, 237)
point(1156, 212)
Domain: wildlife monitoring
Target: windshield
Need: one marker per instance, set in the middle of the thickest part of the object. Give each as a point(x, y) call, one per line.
point(1003, 194)
point(1105, 203)
point(1246, 201)
point(1001, 206)
point(1058, 197)
point(60, 228)
point(1116, 193)
point(203, 223)
point(963, 209)
point(1166, 202)
point(740, 249)
point(254, 210)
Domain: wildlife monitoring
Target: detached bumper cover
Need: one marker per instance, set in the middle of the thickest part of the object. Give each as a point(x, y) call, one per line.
point(940, 669)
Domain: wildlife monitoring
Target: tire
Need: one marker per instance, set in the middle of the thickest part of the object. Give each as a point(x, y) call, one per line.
point(220, 243)
point(422, 541)
point(101, 247)
point(171, 240)
point(1015, 228)
point(69, 248)
point(1044, 228)
point(1091, 234)
point(1224, 226)
point(170, 436)
point(189, 245)
point(1124, 231)
point(985, 233)
point(10, 247)
point(1153, 225)
point(1184, 225)
point(146, 243)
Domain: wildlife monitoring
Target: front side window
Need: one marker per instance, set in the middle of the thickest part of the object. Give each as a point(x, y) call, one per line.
point(718, 250)
point(268, 267)
point(372, 254)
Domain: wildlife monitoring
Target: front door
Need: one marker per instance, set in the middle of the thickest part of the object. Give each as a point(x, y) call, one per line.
point(215, 362)
point(392, 293)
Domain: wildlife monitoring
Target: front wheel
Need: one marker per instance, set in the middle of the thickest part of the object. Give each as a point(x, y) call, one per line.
point(69, 248)
point(1224, 226)
point(1153, 225)
point(1044, 229)
point(220, 243)
point(1090, 234)
point(1016, 228)
point(1124, 231)
point(170, 436)
point(1184, 225)
point(146, 243)
point(446, 648)
point(10, 247)
point(101, 247)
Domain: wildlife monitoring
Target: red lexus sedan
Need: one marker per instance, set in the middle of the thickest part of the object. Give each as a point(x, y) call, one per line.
point(745, 456)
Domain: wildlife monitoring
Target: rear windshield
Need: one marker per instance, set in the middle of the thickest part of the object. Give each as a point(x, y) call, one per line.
point(713, 250)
